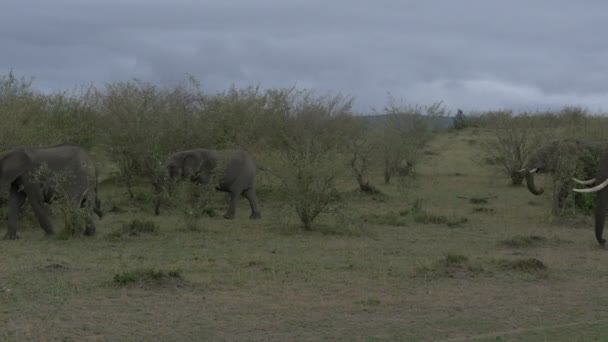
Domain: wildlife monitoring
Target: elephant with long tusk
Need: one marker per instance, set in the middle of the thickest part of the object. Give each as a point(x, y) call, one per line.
point(554, 156)
point(600, 182)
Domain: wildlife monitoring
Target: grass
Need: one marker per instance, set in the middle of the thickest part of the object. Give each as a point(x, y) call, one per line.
point(424, 217)
point(405, 277)
point(522, 241)
point(147, 276)
point(134, 228)
point(451, 265)
point(530, 265)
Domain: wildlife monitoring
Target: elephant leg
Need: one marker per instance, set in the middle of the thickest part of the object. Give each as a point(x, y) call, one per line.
point(89, 228)
point(36, 199)
point(251, 196)
point(16, 200)
point(601, 200)
point(232, 206)
point(559, 202)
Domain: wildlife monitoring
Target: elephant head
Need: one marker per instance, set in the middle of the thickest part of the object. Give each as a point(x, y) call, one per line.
point(543, 160)
point(194, 165)
point(183, 165)
point(13, 164)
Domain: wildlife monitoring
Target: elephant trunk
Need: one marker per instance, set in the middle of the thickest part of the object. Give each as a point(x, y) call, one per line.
point(601, 200)
point(531, 185)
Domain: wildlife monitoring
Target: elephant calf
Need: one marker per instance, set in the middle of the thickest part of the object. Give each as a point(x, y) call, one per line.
point(21, 170)
point(237, 170)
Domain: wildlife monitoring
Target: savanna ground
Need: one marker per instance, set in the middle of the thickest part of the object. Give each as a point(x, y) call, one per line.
point(421, 263)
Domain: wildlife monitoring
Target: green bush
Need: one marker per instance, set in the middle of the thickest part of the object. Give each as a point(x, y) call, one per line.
point(309, 154)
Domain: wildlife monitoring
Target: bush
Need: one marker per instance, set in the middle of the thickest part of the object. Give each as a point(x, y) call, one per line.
point(145, 124)
point(460, 120)
point(72, 118)
point(33, 119)
point(360, 148)
point(511, 144)
point(195, 200)
point(309, 154)
point(20, 113)
point(402, 134)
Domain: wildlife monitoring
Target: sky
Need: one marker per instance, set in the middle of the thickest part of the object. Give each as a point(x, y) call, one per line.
point(469, 54)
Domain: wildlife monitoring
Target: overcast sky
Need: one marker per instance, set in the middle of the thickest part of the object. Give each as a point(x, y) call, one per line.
point(477, 54)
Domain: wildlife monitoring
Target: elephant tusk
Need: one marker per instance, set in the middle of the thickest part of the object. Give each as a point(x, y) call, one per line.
point(595, 188)
point(524, 169)
point(584, 182)
point(534, 170)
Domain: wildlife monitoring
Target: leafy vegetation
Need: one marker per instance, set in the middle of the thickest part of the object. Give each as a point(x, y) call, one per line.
point(323, 248)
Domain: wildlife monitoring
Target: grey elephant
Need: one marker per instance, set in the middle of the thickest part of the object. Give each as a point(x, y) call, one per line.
point(599, 185)
point(38, 174)
point(236, 170)
point(555, 155)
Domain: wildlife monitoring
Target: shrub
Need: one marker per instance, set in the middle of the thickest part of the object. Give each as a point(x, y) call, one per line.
point(511, 144)
point(309, 154)
point(72, 118)
point(195, 200)
point(402, 134)
point(460, 120)
point(145, 124)
point(20, 113)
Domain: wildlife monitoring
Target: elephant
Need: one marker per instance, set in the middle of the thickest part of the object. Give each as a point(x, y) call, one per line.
point(35, 174)
point(600, 183)
point(236, 169)
point(555, 155)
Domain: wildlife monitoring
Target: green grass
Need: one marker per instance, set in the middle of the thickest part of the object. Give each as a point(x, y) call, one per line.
point(521, 241)
point(389, 269)
point(148, 275)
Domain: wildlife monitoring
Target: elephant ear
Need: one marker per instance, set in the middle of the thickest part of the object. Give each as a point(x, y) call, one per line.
point(13, 165)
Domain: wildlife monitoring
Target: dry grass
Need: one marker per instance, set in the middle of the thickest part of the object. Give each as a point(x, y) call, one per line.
point(257, 280)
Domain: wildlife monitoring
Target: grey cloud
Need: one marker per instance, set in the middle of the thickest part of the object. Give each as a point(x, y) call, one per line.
point(473, 54)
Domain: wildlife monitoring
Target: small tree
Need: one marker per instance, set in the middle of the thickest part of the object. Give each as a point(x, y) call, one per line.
point(72, 118)
point(402, 135)
point(20, 113)
point(145, 124)
point(512, 141)
point(309, 154)
point(360, 148)
point(460, 120)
